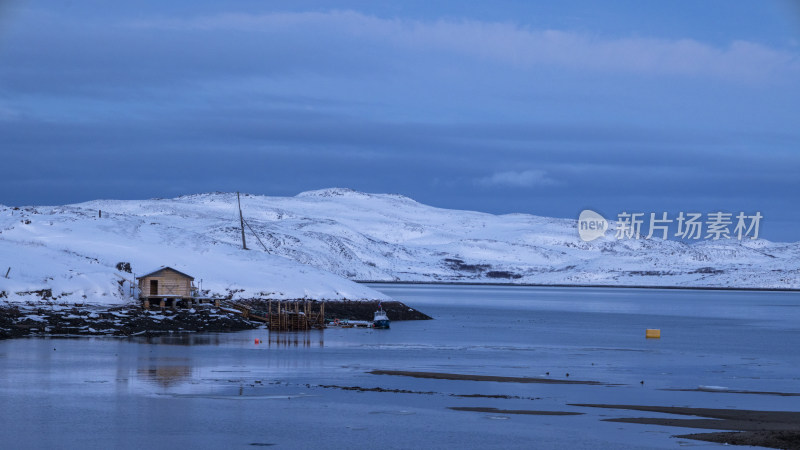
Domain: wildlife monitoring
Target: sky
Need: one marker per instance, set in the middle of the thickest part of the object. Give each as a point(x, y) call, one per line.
point(501, 106)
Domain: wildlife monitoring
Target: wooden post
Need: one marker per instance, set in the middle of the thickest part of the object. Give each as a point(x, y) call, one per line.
point(162, 304)
point(216, 302)
point(8, 271)
point(146, 305)
point(241, 221)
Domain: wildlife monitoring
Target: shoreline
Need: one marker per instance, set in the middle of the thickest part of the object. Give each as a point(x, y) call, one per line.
point(50, 319)
point(773, 429)
point(492, 378)
point(561, 285)
point(355, 309)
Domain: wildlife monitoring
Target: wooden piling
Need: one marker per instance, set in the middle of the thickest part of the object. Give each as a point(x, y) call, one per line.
point(292, 316)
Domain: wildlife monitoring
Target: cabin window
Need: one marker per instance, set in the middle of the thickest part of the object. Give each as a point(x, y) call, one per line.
point(153, 287)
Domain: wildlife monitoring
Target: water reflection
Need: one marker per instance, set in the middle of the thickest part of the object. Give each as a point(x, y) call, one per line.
point(165, 376)
point(184, 339)
point(295, 339)
point(273, 339)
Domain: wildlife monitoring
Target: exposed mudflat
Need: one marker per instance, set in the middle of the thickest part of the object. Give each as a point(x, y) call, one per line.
point(406, 391)
point(776, 429)
point(737, 391)
point(789, 440)
point(469, 377)
point(529, 412)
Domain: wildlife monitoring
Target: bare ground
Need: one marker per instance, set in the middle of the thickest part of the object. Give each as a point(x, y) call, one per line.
point(775, 429)
point(468, 377)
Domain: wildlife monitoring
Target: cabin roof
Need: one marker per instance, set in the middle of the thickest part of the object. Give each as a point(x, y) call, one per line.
point(162, 269)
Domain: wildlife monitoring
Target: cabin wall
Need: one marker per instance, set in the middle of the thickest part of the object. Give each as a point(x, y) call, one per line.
point(170, 284)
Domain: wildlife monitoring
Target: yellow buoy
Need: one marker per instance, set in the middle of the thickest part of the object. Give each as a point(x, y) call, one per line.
point(652, 333)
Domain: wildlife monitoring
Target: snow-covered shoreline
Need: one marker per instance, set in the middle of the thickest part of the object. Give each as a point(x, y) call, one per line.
point(21, 320)
point(589, 286)
point(48, 318)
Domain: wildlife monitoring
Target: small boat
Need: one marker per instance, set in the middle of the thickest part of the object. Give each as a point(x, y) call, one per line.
point(381, 319)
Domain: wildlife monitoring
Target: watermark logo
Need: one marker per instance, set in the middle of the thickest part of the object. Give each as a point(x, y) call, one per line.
point(591, 225)
point(686, 226)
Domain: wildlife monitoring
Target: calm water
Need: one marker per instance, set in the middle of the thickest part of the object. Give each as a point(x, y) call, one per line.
point(223, 390)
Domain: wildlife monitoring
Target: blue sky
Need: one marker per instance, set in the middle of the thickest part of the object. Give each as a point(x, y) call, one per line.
point(505, 106)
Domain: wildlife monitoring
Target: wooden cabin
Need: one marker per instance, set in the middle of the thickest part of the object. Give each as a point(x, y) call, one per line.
point(167, 283)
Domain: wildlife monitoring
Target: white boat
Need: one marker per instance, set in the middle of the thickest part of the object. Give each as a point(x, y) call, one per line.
point(381, 320)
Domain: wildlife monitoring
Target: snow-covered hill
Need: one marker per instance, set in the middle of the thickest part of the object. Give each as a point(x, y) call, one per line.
point(317, 240)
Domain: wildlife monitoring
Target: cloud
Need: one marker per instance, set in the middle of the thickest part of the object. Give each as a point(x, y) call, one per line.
point(512, 44)
point(525, 178)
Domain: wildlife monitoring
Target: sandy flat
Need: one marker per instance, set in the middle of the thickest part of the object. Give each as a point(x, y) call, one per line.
point(513, 411)
point(776, 429)
point(469, 377)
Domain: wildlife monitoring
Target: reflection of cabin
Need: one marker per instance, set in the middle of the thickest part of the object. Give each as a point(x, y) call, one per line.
point(166, 375)
point(167, 283)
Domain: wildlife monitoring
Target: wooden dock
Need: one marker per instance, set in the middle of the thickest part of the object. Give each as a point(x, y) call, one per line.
point(290, 316)
point(287, 315)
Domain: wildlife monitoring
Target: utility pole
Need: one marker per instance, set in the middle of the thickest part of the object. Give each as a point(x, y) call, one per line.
point(241, 220)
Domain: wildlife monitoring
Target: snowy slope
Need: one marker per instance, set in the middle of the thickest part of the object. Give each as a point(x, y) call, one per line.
point(73, 253)
point(315, 236)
